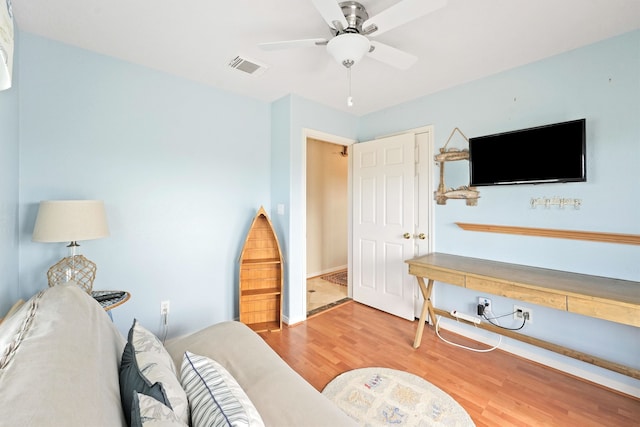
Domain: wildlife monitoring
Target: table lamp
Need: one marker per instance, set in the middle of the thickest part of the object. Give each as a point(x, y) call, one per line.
point(71, 221)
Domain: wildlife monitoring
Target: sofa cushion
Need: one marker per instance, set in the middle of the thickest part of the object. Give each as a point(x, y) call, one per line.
point(215, 398)
point(148, 412)
point(132, 382)
point(65, 368)
point(156, 366)
point(281, 396)
point(14, 308)
point(15, 328)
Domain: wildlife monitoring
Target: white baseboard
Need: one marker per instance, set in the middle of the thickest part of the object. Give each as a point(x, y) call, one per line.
point(544, 357)
point(328, 270)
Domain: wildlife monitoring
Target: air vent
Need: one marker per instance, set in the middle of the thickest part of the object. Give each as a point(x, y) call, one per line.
point(248, 66)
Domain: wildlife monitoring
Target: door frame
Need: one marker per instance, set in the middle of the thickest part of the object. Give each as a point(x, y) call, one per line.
point(426, 162)
point(338, 140)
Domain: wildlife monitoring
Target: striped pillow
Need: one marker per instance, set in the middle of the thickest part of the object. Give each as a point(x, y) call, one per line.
point(215, 397)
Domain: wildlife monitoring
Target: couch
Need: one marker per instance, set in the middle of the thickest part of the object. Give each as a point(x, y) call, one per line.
point(63, 362)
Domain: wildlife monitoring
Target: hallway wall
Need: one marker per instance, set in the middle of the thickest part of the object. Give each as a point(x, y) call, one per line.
point(327, 209)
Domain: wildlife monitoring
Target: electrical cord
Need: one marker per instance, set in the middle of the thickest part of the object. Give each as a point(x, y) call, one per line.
point(503, 315)
point(165, 325)
point(464, 346)
point(489, 319)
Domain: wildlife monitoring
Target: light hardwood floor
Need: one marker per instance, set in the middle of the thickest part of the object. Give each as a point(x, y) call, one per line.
point(496, 388)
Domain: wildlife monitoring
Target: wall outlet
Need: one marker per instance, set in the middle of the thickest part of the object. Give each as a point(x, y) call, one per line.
point(521, 313)
point(486, 302)
point(164, 307)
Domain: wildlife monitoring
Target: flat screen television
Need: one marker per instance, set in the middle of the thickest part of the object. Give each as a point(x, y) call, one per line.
point(543, 154)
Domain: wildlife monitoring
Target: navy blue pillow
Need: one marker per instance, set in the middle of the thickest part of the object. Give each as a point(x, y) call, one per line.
point(132, 381)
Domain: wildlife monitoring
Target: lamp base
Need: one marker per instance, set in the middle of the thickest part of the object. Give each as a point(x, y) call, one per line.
point(75, 268)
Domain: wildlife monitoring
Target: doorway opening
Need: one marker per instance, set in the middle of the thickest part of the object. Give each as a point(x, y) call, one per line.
point(327, 201)
point(323, 293)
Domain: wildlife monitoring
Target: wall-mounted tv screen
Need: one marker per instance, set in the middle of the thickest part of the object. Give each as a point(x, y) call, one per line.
point(543, 154)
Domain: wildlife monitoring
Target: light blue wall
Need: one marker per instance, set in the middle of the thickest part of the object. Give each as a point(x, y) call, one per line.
point(182, 169)
point(293, 115)
point(600, 82)
point(281, 183)
point(9, 138)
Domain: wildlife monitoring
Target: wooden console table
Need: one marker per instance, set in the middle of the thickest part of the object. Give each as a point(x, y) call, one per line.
point(600, 297)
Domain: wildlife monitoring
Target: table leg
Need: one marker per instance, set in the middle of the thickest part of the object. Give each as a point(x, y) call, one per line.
point(427, 308)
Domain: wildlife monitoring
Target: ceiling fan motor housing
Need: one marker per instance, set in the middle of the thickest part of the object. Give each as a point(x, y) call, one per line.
point(355, 14)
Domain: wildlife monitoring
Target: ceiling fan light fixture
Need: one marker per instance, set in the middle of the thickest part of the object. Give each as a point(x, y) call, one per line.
point(348, 48)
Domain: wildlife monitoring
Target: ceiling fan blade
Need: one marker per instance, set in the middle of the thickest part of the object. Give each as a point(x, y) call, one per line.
point(401, 13)
point(290, 44)
point(392, 56)
point(332, 13)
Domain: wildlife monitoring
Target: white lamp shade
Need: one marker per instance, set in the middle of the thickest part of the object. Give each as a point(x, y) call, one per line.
point(6, 44)
point(70, 221)
point(348, 47)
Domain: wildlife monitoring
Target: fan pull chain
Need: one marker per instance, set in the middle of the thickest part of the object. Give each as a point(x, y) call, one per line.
point(349, 97)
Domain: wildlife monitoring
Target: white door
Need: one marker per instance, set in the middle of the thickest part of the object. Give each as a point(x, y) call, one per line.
point(383, 224)
point(424, 201)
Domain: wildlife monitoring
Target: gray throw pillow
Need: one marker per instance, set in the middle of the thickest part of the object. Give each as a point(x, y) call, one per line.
point(155, 363)
point(132, 381)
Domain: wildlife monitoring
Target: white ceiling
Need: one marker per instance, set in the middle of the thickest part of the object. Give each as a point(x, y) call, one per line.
point(195, 39)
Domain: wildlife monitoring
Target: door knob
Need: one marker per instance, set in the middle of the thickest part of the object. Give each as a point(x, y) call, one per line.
point(421, 236)
point(406, 235)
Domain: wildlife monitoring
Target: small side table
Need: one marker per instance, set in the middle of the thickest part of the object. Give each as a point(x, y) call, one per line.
point(111, 303)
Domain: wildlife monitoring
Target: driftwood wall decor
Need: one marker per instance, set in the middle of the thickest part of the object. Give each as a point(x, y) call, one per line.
point(470, 194)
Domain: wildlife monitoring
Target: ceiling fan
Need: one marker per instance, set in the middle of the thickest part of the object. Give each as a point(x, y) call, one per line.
point(350, 24)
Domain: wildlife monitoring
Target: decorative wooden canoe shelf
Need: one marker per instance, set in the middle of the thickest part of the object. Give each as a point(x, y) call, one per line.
point(470, 194)
point(260, 300)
